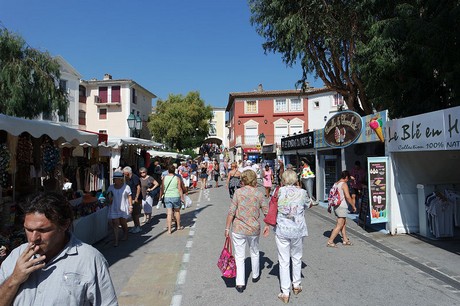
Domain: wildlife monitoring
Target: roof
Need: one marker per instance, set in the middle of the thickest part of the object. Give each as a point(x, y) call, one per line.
point(272, 93)
point(114, 81)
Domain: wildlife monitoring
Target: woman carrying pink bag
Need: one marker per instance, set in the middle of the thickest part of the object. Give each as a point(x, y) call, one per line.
point(243, 218)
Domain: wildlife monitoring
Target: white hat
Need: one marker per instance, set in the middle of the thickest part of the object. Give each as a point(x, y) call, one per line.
point(248, 163)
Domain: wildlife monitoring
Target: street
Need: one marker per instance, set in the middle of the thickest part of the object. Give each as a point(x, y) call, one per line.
point(154, 268)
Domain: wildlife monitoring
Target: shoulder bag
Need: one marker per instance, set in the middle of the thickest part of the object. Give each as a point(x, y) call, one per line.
point(270, 218)
point(226, 262)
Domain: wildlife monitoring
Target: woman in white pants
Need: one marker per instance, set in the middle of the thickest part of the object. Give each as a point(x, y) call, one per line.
point(290, 230)
point(243, 217)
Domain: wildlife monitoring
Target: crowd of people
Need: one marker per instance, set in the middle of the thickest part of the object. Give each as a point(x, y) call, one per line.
point(53, 251)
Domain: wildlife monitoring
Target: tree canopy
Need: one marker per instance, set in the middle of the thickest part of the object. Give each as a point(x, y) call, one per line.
point(181, 122)
point(395, 55)
point(29, 79)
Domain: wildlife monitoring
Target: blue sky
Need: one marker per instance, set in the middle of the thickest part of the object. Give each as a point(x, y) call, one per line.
point(166, 46)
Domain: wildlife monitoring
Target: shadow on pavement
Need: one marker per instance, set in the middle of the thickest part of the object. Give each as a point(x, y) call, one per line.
point(135, 241)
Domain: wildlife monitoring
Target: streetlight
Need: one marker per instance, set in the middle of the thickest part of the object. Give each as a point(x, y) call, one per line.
point(134, 123)
point(138, 124)
point(261, 141)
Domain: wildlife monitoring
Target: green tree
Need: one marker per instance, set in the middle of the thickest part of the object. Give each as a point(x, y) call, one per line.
point(29, 79)
point(181, 122)
point(411, 62)
point(322, 35)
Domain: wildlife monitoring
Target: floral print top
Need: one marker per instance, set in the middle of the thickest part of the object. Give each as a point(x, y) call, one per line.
point(290, 221)
point(245, 208)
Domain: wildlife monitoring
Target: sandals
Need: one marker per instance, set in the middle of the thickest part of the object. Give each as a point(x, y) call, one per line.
point(283, 298)
point(296, 290)
point(348, 242)
point(180, 228)
point(331, 244)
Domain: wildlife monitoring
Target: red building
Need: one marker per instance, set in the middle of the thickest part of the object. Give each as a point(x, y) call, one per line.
point(274, 113)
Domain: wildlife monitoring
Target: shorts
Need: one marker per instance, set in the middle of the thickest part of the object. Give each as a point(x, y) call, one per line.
point(341, 212)
point(173, 202)
point(203, 176)
point(136, 209)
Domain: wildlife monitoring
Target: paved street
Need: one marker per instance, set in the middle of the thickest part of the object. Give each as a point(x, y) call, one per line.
point(154, 268)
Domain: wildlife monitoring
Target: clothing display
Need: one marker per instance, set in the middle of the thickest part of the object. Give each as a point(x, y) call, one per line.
point(442, 212)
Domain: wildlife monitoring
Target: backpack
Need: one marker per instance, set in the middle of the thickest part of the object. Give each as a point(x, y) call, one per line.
point(334, 199)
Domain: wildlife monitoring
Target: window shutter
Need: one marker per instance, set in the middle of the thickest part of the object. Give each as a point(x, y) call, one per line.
point(103, 94)
point(116, 94)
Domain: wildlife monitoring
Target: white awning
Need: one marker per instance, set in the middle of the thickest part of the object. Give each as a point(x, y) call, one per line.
point(16, 126)
point(132, 141)
point(176, 155)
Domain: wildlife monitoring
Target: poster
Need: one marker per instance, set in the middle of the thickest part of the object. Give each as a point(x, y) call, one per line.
point(378, 191)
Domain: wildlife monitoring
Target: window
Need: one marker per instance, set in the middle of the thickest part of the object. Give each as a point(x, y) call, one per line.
point(82, 118)
point(338, 100)
point(103, 95)
point(63, 85)
point(281, 105)
point(280, 131)
point(212, 129)
point(102, 113)
point(81, 94)
point(102, 132)
point(315, 104)
point(115, 94)
point(296, 105)
point(134, 96)
point(250, 135)
point(298, 129)
point(250, 107)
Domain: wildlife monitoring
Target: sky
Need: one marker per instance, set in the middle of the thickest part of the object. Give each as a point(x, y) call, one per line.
point(166, 46)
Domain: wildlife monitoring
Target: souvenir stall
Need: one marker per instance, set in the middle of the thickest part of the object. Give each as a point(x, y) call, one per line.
point(424, 153)
point(32, 160)
point(130, 151)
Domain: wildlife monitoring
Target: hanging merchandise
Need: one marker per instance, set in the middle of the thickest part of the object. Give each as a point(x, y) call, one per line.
point(4, 164)
point(24, 150)
point(51, 155)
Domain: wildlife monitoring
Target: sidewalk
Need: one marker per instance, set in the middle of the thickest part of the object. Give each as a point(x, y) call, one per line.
point(432, 256)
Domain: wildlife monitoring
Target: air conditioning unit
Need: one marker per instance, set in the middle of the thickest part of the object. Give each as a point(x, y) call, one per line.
point(96, 99)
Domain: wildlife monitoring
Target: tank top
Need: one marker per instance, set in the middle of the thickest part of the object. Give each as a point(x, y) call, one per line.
point(171, 186)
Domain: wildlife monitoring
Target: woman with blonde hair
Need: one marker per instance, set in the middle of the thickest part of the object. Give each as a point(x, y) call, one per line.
point(290, 230)
point(242, 217)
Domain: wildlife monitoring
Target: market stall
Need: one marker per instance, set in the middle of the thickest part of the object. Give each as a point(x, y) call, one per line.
point(424, 154)
point(32, 159)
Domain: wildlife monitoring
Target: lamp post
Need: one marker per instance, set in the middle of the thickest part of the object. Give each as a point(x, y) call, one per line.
point(134, 123)
point(261, 141)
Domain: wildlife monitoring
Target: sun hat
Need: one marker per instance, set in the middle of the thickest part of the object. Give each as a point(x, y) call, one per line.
point(118, 174)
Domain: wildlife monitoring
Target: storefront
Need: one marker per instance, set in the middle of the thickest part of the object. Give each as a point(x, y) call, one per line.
point(424, 151)
point(252, 154)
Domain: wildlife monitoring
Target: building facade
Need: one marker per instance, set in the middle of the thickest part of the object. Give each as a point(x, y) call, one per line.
point(275, 114)
point(105, 105)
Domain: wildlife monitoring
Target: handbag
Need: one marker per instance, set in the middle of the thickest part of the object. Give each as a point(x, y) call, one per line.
point(226, 262)
point(270, 218)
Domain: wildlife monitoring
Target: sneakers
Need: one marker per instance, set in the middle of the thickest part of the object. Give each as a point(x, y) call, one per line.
point(158, 205)
point(135, 230)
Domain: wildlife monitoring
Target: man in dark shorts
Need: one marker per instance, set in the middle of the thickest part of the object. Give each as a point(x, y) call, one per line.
point(133, 181)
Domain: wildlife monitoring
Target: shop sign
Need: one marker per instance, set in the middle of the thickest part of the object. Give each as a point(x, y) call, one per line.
point(435, 131)
point(343, 129)
point(378, 189)
point(251, 150)
point(302, 141)
point(373, 127)
point(269, 149)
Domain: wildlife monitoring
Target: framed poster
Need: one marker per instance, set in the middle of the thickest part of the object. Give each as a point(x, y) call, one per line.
point(378, 191)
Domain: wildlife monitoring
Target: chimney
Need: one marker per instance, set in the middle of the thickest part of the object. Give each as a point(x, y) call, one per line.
point(260, 88)
point(107, 76)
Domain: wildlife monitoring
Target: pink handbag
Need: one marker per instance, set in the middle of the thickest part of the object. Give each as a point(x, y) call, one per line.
point(226, 263)
point(270, 218)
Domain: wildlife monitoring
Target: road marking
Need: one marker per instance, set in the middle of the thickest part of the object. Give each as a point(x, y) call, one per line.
point(182, 274)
